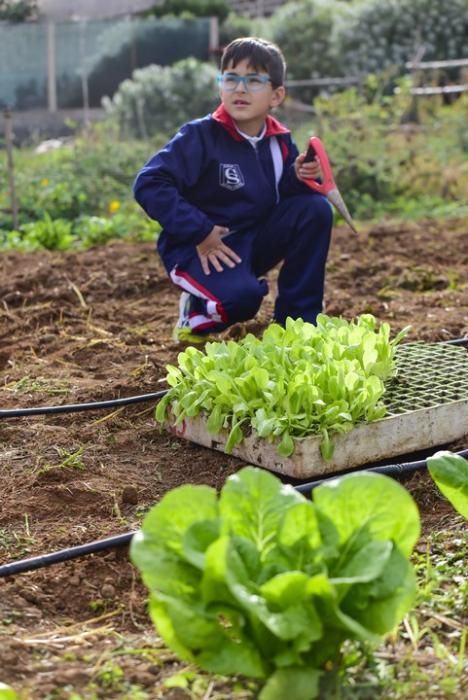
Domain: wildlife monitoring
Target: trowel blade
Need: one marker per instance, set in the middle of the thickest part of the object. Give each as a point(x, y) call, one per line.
point(337, 200)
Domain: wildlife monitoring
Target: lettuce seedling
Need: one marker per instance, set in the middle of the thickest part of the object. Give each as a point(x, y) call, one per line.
point(295, 381)
point(265, 583)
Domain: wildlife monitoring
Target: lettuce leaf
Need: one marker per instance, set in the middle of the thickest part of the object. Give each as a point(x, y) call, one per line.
point(450, 473)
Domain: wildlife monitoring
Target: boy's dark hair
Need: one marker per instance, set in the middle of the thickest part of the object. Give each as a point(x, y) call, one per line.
point(261, 55)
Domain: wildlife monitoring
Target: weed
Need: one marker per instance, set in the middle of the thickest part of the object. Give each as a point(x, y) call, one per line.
point(15, 544)
point(434, 630)
point(141, 369)
point(29, 385)
point(141, 330)
point(110, 676)
point(454, 283)
point(70, 460)
point(98, 605)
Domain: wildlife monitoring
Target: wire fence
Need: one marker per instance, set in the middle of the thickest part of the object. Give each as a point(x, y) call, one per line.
point(428, 78)
point(62, 65)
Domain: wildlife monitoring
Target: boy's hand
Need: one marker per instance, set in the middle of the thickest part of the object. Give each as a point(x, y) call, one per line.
point(213, 250)
point(307, 171)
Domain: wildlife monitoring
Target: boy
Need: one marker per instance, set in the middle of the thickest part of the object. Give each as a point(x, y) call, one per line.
point(227, 191)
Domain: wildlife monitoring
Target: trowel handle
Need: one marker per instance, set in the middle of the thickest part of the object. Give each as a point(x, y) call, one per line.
point(316, 148)
point(310, 153)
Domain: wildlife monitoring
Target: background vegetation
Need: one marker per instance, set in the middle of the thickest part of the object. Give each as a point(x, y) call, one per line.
point(392, 156)
point(16, 10)
point(335, 38)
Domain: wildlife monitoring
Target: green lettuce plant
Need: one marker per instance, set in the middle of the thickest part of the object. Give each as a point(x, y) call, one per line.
point(85, 231)
point(265, 583)
point(294, 382)
point(450, 473)
point(7, 693)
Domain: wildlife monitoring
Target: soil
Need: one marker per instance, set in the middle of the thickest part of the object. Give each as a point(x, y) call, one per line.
point(85, 326)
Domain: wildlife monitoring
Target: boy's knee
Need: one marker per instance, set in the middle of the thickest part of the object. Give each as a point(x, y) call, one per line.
point(319, 211)
point(244, 302)
point(325, 212)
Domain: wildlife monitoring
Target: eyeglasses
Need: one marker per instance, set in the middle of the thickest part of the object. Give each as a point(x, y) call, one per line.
point(252, 83)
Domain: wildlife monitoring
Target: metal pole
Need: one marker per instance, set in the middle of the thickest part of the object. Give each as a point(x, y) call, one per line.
point(84, 76)
point(51, 68)
point(10, 166)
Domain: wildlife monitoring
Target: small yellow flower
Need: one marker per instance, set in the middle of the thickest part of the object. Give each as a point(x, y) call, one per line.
point(114, 206)
point(44, 182)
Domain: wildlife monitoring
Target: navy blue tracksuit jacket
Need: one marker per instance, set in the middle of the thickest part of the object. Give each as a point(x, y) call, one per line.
point(208, 175)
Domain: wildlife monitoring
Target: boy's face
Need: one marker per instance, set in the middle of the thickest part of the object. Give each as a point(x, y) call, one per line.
point(249, 105)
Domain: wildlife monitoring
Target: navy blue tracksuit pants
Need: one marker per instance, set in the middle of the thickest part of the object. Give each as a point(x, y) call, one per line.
point(297, 232)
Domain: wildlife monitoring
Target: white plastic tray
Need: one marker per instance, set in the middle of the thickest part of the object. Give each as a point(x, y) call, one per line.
point(437, 376)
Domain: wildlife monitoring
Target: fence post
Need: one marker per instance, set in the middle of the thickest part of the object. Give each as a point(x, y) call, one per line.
point(213, 41)
point(415, 79)
point(10, 166)
point(51, 68)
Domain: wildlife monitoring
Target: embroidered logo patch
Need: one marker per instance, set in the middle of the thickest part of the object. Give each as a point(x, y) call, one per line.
point(230, 176)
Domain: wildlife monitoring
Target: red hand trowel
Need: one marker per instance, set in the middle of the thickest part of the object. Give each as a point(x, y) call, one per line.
point(328, 187)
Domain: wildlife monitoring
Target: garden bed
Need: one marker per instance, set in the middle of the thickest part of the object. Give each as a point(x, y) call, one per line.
point(95, 325)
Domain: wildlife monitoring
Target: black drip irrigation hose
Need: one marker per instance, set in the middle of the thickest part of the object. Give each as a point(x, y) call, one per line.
point(33, 563)
point(393, 470)
point(81, 550)
point(456, 341)
point(75, 407)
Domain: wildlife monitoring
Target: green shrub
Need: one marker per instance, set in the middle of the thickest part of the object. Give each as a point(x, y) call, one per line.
point(305, 31)
point(236, 25)
point(159, 99)
point(196, 8)
point(334, 38)
point(78, 195)
point(90, 177)
point(16, 10)
point(354, 133)
point(378, 34)
point(382, 167)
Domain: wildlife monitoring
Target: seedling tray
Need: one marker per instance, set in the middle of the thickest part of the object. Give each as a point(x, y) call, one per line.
point(427, 405)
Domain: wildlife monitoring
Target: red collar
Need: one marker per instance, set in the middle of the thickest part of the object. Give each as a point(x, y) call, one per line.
point(273, 126)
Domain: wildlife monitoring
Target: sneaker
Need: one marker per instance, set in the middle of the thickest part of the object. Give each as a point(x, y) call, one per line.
point(182, 331)
point(185, 335)
point(185, 303)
